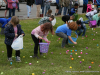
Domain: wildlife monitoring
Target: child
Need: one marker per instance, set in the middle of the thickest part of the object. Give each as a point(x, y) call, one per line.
point(97, 18)
point(89, 16)
point(68, 18)
point(46, 19)
point(64, 31)
point(3, 22)
point(37, 34)
point(81, 28)
point(49, 13)
point(74, 10)
point(89, 6)
point(12, 31)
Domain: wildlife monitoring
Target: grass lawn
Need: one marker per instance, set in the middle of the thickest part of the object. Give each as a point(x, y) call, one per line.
point(59, 62)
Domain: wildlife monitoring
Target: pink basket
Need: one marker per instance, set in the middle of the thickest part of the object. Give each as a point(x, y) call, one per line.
point(93, 24)
point(44, 47)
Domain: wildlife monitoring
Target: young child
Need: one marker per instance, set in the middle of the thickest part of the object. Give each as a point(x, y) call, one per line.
point(39, 33)
point(46, 19)
point(81, 28)
point(3, 22)
point(74, 10)
point(97, 18)
point(89, 6)
point(12, 31)
point(64, 31)
point(49, 13)
point(89, 16)
point(68, 18)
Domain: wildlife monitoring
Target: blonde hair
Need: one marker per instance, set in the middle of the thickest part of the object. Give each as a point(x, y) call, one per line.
point(15, 20)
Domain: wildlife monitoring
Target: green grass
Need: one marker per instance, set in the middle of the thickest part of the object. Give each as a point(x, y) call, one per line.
point(61, 62)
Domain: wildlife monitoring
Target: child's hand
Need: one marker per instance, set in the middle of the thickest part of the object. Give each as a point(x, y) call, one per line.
point(48, 41)
point(22, 34)
point(75, 43)
point(40, 37)
point(16, 35)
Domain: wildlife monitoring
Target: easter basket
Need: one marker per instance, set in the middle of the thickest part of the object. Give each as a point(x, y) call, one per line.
point(44, 47)
point(73, 38)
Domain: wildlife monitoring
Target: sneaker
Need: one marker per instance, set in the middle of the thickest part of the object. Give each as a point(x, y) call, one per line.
point(41, 54)
point(10, 59)
point(18, 59)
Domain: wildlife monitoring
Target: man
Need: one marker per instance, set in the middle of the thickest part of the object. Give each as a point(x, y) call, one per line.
point(85, 2)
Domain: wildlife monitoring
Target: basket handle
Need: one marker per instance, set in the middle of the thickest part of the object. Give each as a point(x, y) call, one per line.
point(45, 40)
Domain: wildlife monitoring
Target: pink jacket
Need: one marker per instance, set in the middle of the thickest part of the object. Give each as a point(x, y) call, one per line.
point(10, 4)
point(89, 7)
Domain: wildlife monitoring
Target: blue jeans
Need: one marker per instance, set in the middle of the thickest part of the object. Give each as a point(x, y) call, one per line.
point(11, 11)
point(65, 11)
point(81, 30)
point(60, 9)
point(28, 10)
point(42, 7)
point(18, 6)
point(47, 7)
point(89, 19)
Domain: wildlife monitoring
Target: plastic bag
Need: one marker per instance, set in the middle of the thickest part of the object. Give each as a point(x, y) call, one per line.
point(54, 22)
point(81, 19)
point(18, 43)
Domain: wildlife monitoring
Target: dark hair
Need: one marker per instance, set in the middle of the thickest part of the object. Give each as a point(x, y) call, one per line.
point(78, 22)
point(49, 11)
point(52, 17)
point(46, 27)
point(76, 4)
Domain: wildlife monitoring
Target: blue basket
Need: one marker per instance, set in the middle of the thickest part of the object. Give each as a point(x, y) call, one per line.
point(73, 38)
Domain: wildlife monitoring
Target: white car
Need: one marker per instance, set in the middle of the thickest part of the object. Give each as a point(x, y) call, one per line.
point(2, 3)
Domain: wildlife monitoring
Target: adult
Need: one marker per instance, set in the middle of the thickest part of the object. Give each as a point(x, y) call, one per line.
point(38, 5)
point(47, 6)
point(60, 6)
point(85, 2)
point(57, 7)
point(65, 4)
point(12, 5)
point(18, 6)
point(98, 5)
point(6, 7)
point(29, 4)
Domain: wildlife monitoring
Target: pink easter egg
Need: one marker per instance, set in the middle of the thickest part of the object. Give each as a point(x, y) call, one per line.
point(30, 63)
point(70, 55)
point(81, 53)
point(43, 72)
point(93, 39)
point(59, 38)
point(67, 50)
point(99, 65)
point(86, 53)
point(51, 52)
point(60, 53)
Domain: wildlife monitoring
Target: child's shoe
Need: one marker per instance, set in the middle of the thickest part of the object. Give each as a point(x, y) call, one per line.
point(18, 59)
point(35, 55)
point(10, 59)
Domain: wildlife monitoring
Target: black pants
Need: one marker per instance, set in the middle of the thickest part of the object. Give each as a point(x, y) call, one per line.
point(36, 41)
point(84, 8)
point(9, 51)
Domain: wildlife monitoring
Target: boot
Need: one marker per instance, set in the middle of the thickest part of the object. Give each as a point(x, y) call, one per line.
point(35, 55)
point(42, 15)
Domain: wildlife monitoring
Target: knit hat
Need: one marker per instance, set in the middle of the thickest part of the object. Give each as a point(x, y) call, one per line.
point(66, 18)
point(73, 25)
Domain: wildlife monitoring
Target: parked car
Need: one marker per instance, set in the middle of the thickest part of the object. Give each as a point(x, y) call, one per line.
point(2, 3)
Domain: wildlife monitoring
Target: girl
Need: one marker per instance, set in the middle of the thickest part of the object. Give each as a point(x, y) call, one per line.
point(89, 6)
point(37, 34)
point(12, 31)
point(97, 18)
point(64, 31)
point(12, 5)
point(49, 13)
point(29, 4)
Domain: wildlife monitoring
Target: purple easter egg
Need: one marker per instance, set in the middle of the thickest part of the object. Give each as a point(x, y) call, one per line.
point(89, 66)
point(86, 47)
point(80, 61)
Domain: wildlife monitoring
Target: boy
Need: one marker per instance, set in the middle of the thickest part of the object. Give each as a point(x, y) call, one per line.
point(3, 22)
point(46, 19)
point(81, 28)
point(74, 10)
